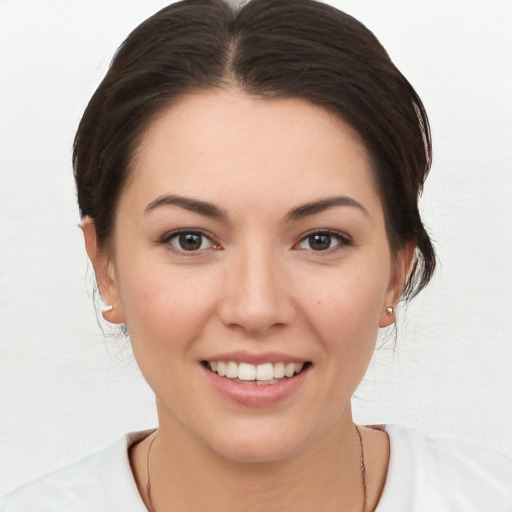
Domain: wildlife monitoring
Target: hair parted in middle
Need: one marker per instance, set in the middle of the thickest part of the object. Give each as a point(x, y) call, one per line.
point(273, 49)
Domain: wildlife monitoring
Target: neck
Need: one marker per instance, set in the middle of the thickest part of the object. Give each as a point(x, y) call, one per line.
point(186, 475)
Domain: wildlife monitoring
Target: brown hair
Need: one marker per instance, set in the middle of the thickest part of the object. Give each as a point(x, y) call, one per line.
point(271, 48)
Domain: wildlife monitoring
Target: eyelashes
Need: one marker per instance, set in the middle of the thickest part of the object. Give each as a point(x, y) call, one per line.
point(189, 241)
point(324, 241)
point(194, 241)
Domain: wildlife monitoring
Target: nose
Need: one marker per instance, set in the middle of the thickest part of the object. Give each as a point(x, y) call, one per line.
point(255, 295)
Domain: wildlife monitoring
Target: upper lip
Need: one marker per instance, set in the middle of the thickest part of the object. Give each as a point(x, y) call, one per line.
point(256, 358)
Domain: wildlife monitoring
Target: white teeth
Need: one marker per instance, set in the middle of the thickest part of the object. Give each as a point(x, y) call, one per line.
point(246, 371)
point(289, 369)
point(278, 370)
point(232, 370)
point(221, 368)
point(262, 373)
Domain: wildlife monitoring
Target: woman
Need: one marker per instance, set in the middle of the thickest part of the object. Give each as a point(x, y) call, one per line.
point(248, 181)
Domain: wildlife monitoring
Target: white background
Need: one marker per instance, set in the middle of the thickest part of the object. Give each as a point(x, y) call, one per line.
point(65, 390)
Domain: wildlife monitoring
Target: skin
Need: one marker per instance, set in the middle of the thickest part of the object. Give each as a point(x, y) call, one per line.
point(256, 285)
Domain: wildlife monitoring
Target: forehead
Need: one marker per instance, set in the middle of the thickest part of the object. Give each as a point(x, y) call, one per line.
point(224, 144)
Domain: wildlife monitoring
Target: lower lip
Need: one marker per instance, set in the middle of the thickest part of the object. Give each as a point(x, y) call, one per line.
point(253, 395)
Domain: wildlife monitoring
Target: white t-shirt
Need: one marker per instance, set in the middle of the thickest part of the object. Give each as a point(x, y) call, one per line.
point(424, 475)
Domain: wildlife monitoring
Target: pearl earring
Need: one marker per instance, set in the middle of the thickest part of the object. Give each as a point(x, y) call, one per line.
point(106, 309)
point(390, 310)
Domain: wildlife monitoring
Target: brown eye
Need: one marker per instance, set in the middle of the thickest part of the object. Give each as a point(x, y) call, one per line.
point(323, 241)
point(320, 242)
point(190, 241)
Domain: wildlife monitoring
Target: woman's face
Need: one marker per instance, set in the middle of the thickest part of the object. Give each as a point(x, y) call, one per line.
point(250, 235)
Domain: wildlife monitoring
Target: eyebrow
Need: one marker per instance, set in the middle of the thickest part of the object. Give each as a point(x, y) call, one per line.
point(321, 205)
point(193, 205)
point(213, 211)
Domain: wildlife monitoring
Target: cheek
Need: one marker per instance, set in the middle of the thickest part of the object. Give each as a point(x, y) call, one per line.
point(164, 309)
point(345, 307)
point(165, 317)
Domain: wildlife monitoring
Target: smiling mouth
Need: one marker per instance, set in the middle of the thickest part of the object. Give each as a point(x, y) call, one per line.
point(251, 374)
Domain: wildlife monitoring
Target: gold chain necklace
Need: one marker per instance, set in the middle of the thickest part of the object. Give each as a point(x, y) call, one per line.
point(363, 467)
point(361, 460)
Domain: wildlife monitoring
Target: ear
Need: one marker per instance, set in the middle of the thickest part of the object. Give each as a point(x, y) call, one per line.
point(105, 275)
point(402, 265)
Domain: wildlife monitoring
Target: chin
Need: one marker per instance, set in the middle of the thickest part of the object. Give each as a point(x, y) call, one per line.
point(260, 444)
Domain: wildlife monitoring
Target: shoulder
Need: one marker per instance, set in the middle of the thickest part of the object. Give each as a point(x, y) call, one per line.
point(102, 482)
point(427, 474)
